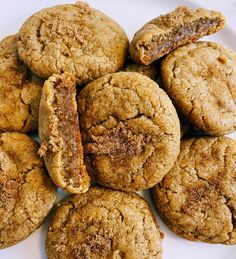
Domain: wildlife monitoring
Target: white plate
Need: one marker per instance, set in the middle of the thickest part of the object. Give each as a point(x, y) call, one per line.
point(131, 14)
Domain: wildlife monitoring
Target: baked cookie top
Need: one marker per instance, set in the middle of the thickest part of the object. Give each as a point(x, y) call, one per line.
point(61, 144)
point(104, 223)
point(197, 198)
point(201, 80)
point(72, 38)
point(167, 32)
point(20, 91)
point(130, 131)
point(26, 191)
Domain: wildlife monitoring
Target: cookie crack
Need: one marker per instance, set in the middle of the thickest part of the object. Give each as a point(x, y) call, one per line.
point(230, 92)
point(68, 217)
point(140, 169)
point(38, 38)
point(28, 111)
point(5, 117)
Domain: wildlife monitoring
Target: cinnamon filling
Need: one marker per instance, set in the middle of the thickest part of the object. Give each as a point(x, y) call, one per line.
point(66, 111)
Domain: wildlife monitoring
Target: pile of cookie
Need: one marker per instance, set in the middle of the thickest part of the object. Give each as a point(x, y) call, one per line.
point(152, 119)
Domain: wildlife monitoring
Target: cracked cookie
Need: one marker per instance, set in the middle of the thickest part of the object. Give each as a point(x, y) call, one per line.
point(104, 223)
point(167, 32)
point(130, 131)
point(201, 80)
point(61, 145)
point(27, 193)
point(20, 91)
point(197, 198)
point(72, 38)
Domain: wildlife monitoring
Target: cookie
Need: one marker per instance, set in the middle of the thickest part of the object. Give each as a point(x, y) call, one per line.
point(61, 145)
point(104, 223)
point(197, 198)
point(20, 91)
point(130, 131)
point(26, 191)
point(72, 38)
point(201, 80)
point(167, 32)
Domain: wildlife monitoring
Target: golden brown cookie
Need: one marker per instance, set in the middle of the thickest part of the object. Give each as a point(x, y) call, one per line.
point(104, 223)
point(130, 130)
point(72, 38)
point(20, 91)
point(61, 145)
point(197, 198)
point(201, 80)
point(27, 193)
point(167, 32)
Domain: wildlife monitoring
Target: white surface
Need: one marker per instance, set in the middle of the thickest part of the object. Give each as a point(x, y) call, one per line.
point(131, 14)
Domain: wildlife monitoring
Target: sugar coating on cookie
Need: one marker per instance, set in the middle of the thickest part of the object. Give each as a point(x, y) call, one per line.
point(61, 145)
point(72, 38)
point(130, 131)
point(104, 223)
point(197, 198)
point(200, 78)
point(20, 91)
point(27, 193)
point(167, 32)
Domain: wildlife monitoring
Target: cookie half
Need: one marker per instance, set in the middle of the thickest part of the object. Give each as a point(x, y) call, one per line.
point(197, 198)
point(20, 91)
point(200, 78)
point(59, 133)
point(130, 131)
point(27, 193)
point(72, 38)
point(104, 223)
point(165, 33)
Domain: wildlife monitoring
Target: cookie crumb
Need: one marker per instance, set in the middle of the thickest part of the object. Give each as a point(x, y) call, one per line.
point(43, 149)
point(222, 59)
